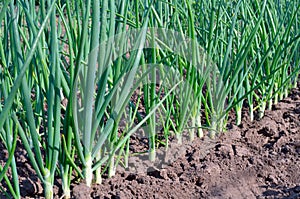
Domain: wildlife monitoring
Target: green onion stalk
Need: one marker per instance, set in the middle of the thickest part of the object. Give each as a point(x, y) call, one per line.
point(7, 133)
point(66, 158)
point(102, 115)
point(220, 86)
point(45, 172)
point(11, 147)
point(196, 113)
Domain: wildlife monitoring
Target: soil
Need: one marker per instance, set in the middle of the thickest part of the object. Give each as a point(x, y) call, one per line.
point(259, 159)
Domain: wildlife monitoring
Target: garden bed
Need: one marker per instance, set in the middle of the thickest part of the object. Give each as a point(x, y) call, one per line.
point(257, 159)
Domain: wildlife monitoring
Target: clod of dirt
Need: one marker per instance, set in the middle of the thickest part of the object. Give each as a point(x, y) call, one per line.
point(81, 191)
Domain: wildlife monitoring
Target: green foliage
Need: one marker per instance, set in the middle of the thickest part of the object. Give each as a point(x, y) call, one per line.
point(80, 78)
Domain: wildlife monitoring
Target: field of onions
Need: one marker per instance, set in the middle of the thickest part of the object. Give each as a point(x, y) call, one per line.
point(80, 81)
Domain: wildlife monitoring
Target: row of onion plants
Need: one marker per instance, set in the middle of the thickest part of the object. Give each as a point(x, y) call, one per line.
point(80, 79)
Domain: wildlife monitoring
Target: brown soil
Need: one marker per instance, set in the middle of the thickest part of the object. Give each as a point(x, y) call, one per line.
point(259, 159)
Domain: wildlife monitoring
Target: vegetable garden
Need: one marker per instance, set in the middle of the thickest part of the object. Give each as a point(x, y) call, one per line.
point(81, 80)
